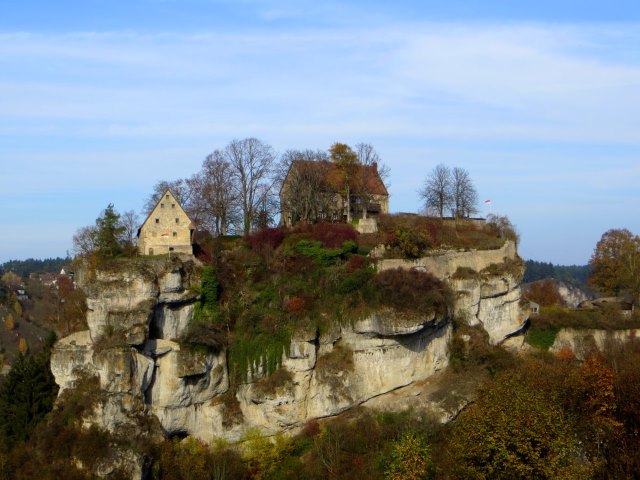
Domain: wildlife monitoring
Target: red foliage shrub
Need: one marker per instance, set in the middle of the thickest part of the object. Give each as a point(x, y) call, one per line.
point(296, 305)
point(566, 354)
point(331, 235)
point(311, 428)
point(356, 262)
point(544, 292)
point(269, 238)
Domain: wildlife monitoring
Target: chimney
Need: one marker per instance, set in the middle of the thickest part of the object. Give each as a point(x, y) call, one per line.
point(375, 166)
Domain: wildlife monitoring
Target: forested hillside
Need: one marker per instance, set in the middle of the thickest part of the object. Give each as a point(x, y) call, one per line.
point(30, 265)
point(575, 275)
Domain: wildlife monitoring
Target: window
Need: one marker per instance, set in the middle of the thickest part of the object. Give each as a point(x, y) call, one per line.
point(173, 205)
point(151, 251)
point(175, 234)
point(177, 220)
point(162, 205)
point(157, 220)
point(171, 249)
point(167, 197)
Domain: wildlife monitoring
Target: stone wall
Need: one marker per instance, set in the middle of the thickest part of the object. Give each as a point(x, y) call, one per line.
point(443, 264)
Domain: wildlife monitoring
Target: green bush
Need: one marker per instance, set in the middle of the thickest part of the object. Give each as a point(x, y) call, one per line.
point(355, 281)
point(542, 338)
point(209, 287)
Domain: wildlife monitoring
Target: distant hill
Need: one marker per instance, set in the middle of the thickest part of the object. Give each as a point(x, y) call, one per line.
point(25, 267)
point(575, 275)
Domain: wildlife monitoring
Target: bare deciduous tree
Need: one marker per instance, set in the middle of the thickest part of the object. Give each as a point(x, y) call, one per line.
point(251, 166)
point(131, 222)
point(436, 192)
point(85, 240)
point(465, 196)
point(214, 197)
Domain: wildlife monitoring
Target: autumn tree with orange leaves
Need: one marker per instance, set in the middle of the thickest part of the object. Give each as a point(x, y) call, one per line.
point(615, 264)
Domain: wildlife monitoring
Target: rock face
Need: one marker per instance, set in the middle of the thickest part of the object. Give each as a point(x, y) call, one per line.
point(487, 285)
point(137, 315)
point(583, 341)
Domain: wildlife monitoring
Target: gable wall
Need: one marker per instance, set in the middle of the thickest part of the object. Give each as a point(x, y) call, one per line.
point(160, 232)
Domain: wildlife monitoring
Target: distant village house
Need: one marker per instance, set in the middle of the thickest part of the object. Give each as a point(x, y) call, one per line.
point(167, 229)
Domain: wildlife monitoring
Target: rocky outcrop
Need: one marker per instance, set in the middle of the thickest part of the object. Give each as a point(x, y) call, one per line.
point(487, 286)
point(138, 314)
point(582, 341)
point(572, 296)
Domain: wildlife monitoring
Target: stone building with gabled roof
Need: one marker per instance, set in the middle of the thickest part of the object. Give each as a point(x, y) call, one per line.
point(368, 195)
point(166, 229)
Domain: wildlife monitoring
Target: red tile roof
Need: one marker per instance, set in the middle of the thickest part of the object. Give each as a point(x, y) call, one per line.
point(335, 177)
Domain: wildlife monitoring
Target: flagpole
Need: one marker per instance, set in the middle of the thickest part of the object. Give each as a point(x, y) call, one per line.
point(488, 202)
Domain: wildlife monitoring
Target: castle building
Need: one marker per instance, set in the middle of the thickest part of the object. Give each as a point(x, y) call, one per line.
point(167, 229)
point(323, 184)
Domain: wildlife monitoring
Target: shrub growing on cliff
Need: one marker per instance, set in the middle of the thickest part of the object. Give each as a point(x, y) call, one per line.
point(330, 235)
point(411, 291)
point(209, 287)
point(206, 327)
point(265, 239)
point(502, 227)
point(257, 354)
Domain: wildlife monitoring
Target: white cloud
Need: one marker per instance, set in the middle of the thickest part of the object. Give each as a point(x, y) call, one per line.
point(96, 108)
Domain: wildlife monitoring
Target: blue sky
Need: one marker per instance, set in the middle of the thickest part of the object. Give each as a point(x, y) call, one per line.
point(539, 102)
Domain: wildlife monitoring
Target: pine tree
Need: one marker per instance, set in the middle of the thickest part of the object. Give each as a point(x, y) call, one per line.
point(110, 233)
point(27, 394)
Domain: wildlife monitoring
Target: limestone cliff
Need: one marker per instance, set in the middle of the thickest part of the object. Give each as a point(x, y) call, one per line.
point(137, 316)
point(487, 285)
point(582, 341)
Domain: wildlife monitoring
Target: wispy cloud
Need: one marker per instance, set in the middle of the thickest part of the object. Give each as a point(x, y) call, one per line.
point(465, 81)
point(99, 105)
